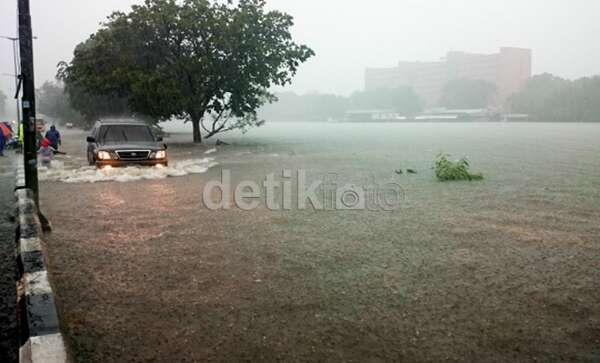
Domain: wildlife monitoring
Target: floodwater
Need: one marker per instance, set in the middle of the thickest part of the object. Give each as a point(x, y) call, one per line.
point(90, 174)
point(502, 269)
point(505, 152)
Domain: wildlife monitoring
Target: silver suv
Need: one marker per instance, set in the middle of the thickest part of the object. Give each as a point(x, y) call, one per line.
point(125, 142)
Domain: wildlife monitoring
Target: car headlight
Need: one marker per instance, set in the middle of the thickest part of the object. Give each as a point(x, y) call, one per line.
point(161, 154)
point(104, 155)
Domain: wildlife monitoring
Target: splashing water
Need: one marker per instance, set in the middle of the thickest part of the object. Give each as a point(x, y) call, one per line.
point(90, 174)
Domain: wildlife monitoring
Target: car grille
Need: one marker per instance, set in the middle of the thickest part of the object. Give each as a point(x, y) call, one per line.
point(133, 154)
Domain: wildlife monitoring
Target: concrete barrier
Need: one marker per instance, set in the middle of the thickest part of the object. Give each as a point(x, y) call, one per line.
point(20, 176)
point(41, 340)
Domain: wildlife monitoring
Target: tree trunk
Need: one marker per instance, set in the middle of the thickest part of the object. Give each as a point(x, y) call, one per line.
point(197, 133)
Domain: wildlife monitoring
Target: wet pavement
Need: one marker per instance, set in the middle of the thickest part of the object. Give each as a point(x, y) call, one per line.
point(8, 298)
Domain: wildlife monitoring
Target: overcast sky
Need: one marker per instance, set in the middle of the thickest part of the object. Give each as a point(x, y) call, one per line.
point(349, 35)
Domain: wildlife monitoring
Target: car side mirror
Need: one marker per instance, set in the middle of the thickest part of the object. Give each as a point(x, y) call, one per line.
point(165, 145)
point(159, 139)
point(90, 139)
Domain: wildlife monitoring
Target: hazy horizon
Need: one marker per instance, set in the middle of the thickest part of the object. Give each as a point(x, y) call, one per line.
point(349, 37)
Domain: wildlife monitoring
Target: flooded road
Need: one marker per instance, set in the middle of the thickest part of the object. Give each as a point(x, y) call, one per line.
point(502, 269)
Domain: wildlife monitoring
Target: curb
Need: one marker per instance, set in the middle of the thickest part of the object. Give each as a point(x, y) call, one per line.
point(20, 176)
point(41, 340)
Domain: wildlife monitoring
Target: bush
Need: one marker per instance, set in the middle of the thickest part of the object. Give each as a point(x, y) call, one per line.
point(447, 170)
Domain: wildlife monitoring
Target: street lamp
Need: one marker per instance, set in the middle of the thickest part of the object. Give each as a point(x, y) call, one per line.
point(15, 60)
point(14, 41)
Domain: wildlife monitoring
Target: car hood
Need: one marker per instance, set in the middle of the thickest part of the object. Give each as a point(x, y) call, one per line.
point(152, 146)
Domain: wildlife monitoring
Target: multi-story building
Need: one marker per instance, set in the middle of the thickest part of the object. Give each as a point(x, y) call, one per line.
point(509, 70)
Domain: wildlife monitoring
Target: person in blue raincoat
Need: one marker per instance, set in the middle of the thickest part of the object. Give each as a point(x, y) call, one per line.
point(54, 137)
point(2, 143)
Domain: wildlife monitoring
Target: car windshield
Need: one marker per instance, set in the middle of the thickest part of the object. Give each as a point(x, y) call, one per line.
point(125, 133)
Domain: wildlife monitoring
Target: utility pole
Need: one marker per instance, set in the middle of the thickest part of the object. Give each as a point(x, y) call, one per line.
point(15, 57)
point(28, 99)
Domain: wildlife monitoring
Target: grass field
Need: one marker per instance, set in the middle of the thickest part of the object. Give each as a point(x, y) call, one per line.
point(504, 269)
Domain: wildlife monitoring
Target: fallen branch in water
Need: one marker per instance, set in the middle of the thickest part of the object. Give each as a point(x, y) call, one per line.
point(447, 170)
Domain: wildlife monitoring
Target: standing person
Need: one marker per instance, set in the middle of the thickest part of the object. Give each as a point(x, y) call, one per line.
point(46, 153)
point(2, 143)
point(53, 137)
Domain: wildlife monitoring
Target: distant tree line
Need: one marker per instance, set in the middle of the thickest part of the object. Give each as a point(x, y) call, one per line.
point(402, 100)
point(321, 107)
point(550, 98)
point(309, 107)
point(82, 108)
point(456, 94)
point(545, 98)
point(78, 106)
point(52, 101)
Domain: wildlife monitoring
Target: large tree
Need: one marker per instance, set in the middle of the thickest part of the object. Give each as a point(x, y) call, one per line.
point(209, 62)
point(467, 94)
